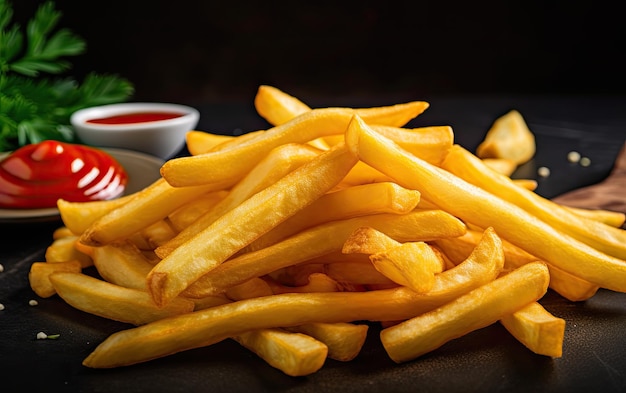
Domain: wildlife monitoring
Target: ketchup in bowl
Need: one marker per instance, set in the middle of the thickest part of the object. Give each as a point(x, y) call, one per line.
point(140, 117)
point(37, 175)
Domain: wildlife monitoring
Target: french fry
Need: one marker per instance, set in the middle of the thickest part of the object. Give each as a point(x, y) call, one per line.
point(205, 327)
point(537, 329)
point(246, 222)
point(64, 249)
point(565, 284)
point(503, 166)
point(276, 106)
point(317, 282)
point(470, 168)
point(608, 217)
point(122, 263)
point(183, 216)
point(199, 142)
point(463, 199)
point(477, 309)
point(78, 216)
point(509, 137)
point(412, 264)
point(96, 296)
point(349, 202)
point(320, 241)
point(356, 273)
point(278, 163)
point(39, 273)
point(149, 205)
point(344, 340)
point(294, 354)
point(226, 167)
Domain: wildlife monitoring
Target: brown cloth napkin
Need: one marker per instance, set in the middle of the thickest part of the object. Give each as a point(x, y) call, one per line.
point(609, 194)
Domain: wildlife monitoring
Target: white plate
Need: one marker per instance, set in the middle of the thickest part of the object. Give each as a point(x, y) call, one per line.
point(142, 169)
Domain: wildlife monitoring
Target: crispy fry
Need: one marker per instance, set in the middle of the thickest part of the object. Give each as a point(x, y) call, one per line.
point(293, 353)
point(150, 205)
point(503, 166)
point(201, 328)
point(346, 203)
point(78, 216)
point(123, 264)
point(509, 137)
point(64, 249)
point(344, 340)
point(96, 296)
point(608, 217)
point(278, 163)
point(602, 237)
point(412, 264)
point(322, 240)
point(226, 167)
point(241, 225)
point(479, 308)
point(199, 142)
point(463, 200)
point(537, 329)
point(38, 276)
point(183, 216)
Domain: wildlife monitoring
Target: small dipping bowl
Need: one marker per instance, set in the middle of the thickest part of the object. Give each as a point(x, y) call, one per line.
point(158, 129)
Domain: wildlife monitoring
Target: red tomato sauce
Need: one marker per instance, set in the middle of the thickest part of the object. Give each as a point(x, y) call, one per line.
point(37, 175)
point(139, 117)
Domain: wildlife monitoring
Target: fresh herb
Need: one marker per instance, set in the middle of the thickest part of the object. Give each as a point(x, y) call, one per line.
point(33, 105)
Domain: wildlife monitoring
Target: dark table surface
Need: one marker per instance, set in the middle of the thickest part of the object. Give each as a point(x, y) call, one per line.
point(594, 356)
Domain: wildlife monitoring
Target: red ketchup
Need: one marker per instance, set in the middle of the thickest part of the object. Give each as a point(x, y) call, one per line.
point(37, 175)
point(139, 117)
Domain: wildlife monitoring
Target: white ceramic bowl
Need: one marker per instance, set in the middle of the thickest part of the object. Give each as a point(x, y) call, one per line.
point(162, 138)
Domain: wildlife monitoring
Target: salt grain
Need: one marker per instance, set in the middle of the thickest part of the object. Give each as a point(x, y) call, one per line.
point(543, 171)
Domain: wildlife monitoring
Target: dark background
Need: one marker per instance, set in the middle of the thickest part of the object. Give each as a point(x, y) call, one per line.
point(326, 52)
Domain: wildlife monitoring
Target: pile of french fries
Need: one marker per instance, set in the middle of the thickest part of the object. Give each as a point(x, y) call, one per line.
point(293, 240)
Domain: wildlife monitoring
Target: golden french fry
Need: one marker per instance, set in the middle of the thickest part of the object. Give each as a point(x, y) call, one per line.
point(412, 264)
point(78, 216)
point(246, 222)
point(602, 237)
point(537, 329)
point(349, 202)
point(64, 249)
point(208, 326)
point(39, 273)
point(344, 340)
point(226, 167)
point(157, 233)
point(149, 205)
point(529, 184)
point(464, 200)
point(96, 297)
point(362, 173)
point(428, 143)
point(62, 232)
point(565, 284)
point(183, 216)
point(123, 264)
point(199, 142)
point(477, 309)
point(608, 217)
point(503, 166)
point(276, 106)
point(509, 137)
point(293, 353)
point(320, 241)
point(278, 163)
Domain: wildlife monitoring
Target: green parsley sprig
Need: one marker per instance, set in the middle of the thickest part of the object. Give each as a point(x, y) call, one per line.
point(33, 105)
